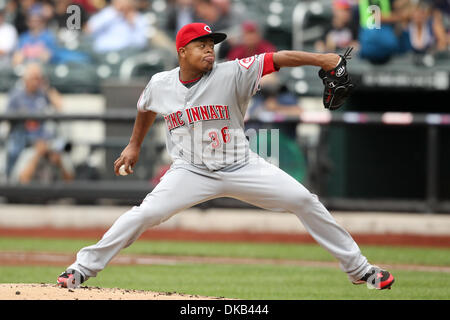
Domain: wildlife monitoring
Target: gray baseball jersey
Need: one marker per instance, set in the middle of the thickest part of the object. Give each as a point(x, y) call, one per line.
point(205, 138)
point(205, 123)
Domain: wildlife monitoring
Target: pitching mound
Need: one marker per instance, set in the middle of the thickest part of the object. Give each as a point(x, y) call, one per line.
point(18, 291)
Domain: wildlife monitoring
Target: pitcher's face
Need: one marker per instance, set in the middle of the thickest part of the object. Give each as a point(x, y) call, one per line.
point(199, 54)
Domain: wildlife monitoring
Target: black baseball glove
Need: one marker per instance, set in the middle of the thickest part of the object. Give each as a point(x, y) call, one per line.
point(338, 84)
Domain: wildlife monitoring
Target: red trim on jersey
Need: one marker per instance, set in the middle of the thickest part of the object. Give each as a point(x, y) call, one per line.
point(247, 62)
point(269, 66)
point(189, 81)
point(138, 103)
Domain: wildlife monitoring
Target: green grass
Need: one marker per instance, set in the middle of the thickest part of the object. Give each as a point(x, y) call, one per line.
point(246, 281)
point(376, 254)
point(243, 281)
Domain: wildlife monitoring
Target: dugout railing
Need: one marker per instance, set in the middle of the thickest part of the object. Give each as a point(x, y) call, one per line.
point(132, 190)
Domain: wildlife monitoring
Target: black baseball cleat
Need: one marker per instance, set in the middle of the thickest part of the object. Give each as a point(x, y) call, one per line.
point(377, 278)
point(70, 279)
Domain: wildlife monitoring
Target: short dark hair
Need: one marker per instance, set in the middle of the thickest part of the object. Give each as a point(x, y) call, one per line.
point(424, 4)
point(205, 1)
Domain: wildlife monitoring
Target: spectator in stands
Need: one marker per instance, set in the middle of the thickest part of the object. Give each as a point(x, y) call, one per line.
point(91, 6)
point(47, 7)
point(426, 30)
point(252, 43)
point(442, 11)
point(118, 26)
point(68, 37)
point(8, 7)
point(378, 35)
point(38, 43)
point(208, 12)
point(8, 36)
point(342, 32)
point(18, 12)
point(233, 15)
point(443, 6)
point(61, 16)
point(273, 102)
point(44, 163)
point(181, 12)
point(143, 6)
point(33, 96)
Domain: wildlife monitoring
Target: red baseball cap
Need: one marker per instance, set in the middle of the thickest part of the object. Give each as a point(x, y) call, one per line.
point(194, 31)
point(249, 26)
point(341, 4)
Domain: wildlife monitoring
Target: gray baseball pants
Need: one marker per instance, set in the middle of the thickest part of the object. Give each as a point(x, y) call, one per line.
point(258, 183)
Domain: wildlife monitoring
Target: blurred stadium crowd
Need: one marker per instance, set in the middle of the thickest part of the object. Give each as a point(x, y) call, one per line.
point(83, 44)
point(54, 47)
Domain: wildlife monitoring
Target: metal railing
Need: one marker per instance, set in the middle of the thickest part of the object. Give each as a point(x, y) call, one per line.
point(299, 18)
point(134, 190)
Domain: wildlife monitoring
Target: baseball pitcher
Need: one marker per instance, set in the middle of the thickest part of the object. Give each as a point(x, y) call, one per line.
point(203, 104)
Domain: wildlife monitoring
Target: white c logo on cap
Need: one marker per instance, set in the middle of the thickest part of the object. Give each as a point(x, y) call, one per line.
point(207, 28)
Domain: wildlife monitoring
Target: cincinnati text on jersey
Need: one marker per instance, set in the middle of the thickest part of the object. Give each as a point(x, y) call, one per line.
point(194, 114)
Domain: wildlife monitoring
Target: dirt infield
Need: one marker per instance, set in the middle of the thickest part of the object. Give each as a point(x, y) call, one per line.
point(35, 291)
point(186, 235)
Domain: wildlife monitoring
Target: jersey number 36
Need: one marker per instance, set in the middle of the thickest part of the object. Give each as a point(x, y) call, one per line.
point(217, 140)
